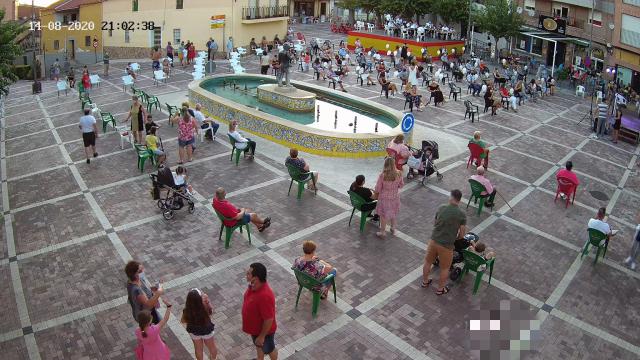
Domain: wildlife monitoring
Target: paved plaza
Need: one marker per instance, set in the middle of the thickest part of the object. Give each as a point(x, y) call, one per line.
point(70, 227)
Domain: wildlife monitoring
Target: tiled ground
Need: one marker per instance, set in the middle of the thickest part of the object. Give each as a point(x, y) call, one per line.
point(69, 227)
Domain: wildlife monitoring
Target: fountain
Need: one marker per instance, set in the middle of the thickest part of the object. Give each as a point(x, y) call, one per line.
point(311, 118)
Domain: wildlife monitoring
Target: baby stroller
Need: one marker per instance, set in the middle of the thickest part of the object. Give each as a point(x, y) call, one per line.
point(457, 264)
point(176, 195)
point(422, 161)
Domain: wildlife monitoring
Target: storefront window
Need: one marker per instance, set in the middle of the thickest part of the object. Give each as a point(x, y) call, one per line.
point(303, 8)
point(536, 46)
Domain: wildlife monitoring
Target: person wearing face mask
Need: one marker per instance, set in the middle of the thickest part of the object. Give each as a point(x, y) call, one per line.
point(259, 312)
point(140, 295)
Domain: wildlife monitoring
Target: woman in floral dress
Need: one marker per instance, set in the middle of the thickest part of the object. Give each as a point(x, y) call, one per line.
point(389, 183)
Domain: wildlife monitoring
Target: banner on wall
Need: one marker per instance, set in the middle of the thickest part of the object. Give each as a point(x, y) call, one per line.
point(217, 21)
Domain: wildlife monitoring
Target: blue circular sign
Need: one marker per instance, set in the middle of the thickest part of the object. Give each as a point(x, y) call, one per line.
point(407, 122)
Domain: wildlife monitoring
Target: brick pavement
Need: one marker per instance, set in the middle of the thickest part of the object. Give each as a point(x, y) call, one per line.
point(69, 227)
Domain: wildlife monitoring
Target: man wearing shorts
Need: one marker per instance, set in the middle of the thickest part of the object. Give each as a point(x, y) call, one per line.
point(234, 215)
point(450, 225)
point(259, 312)
point(89, 134)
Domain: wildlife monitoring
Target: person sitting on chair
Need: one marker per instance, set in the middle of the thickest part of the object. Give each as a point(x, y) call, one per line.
point(247, 145)
point(489, 101)
point(235, 215)
point(311, 265)
point(490, 191)
point(368, 195)
point(599, 224)
point(387, 85)
point(566, 173)
point(302, 165)
point(205, 122)
point(130, 71)
point(476, 140)
point(436, 93)
point(480, 249)
point(411, 92)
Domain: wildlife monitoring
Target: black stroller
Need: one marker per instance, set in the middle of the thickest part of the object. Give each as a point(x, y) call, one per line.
point(176, 195)
point(457, 263)
point(422, 161)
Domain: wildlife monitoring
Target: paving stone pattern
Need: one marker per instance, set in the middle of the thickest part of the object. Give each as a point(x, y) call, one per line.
point(69, 227)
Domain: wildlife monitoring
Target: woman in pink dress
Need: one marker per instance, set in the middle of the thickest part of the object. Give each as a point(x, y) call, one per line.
point(192, 53)
point(387, 187)
point(150, 345)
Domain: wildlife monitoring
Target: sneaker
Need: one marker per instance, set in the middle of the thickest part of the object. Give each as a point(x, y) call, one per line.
point(88, 161)
point(633, 266)
point(95, 154)
point(614, 232)
point(627, 260)
point(563, 196)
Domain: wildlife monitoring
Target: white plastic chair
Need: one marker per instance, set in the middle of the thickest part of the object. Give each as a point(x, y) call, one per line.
point(127, 80)
point(370, 27)
point(124, 133)
point(204, 131)
point(580, 90)
point(420, 34)
point(135, 67)
point(404, 32)
point(599, 96)
point(95, 80)
point(158, 76)
point(62, 86)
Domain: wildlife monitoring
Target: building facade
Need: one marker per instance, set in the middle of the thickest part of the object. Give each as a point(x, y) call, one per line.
point(10, 9)
point(69, 30)
point(305, 9)
point(128, 33)
point(576, 24)
point(626, 42)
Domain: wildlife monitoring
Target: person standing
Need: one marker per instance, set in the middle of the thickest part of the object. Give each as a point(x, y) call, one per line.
point(229, 47)
point(387, 187)
point(170, 52)
point(450, 225)
point(148, 335)
point(197, 317)
point(181, 53)
point(140, 296)
point(259, 312)
point(56, 70)
point(138, 115)
point(187, 128)
point(600, 125)
point(635, 248)
point(89, 134)
point(265, 62)
point(213, 49)
point(105, 61)
point(617, 122)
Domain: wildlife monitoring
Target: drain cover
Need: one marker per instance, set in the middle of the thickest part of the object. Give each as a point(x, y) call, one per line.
point(599, 195)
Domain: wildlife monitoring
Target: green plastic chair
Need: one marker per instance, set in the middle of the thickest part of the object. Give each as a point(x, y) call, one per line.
point(237, 151)
point(595, 239)
point(230, 230)
point(309, 282)
point(107, 118)
point(143, 155)
point(172, 111)
point(81, 91)
point(357, 201)
point(297, 175)
point(152, 100)
point(139, 93)
point(476, 194)
point(86, 100)
point(472, 262)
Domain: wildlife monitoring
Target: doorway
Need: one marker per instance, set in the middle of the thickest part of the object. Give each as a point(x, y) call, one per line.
point(323, 9)
point(157, 37)
point(561, 49)
point(71, 50)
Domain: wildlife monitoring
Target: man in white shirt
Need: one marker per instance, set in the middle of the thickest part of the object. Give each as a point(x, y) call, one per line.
point(490, 191)
point(89, 134)
point(247, 145)
point(599, 224)
point(206, 123)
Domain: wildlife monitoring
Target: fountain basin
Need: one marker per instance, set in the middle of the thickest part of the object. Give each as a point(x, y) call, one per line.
point(325, 134)
point(287, 98)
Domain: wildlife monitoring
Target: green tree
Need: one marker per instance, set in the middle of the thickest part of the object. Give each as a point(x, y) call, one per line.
point(9, 50)
point(499, 18)
point(408, 9)
point(452, 11)
point(372, 7)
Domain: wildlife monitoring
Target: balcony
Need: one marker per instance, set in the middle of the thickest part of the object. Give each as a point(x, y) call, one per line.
point(264, 14)
point(576, 27)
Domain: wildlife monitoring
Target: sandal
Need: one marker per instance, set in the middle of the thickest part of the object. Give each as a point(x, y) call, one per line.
point(265, 224)
point(443, 291)
point(426, 284)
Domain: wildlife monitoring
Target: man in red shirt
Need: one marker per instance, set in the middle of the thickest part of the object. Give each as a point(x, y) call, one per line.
point(567, 174)
point(259, 312)
point(235, 215)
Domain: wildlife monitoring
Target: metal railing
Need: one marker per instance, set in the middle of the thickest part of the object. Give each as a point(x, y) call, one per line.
point(265, 12)
point(571, 20)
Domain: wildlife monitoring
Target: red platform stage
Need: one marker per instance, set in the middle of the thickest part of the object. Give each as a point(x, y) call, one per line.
point(380, 42)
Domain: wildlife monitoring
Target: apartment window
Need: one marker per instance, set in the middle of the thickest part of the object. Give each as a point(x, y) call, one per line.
point(127, 39)
point(87, 41)
point(56, 44)
point(595, 18)
point(176, 36)
point(536, 46)
point(179, 4)
point(134, 5)
point(65, 19)
point(530, 5)
point(632, 2)
point(630, 30)
point(74, 17)
point(560, 11)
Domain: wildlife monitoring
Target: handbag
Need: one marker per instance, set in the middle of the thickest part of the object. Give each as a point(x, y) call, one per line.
point(139, 351)
point(413, 162)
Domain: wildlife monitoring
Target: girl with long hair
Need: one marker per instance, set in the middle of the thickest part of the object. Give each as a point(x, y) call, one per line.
point(197, 317)
point(388, 185)
point(150, 344)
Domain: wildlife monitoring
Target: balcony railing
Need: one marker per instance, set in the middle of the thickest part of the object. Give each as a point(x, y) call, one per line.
point(571, 20)
point(265, 12)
